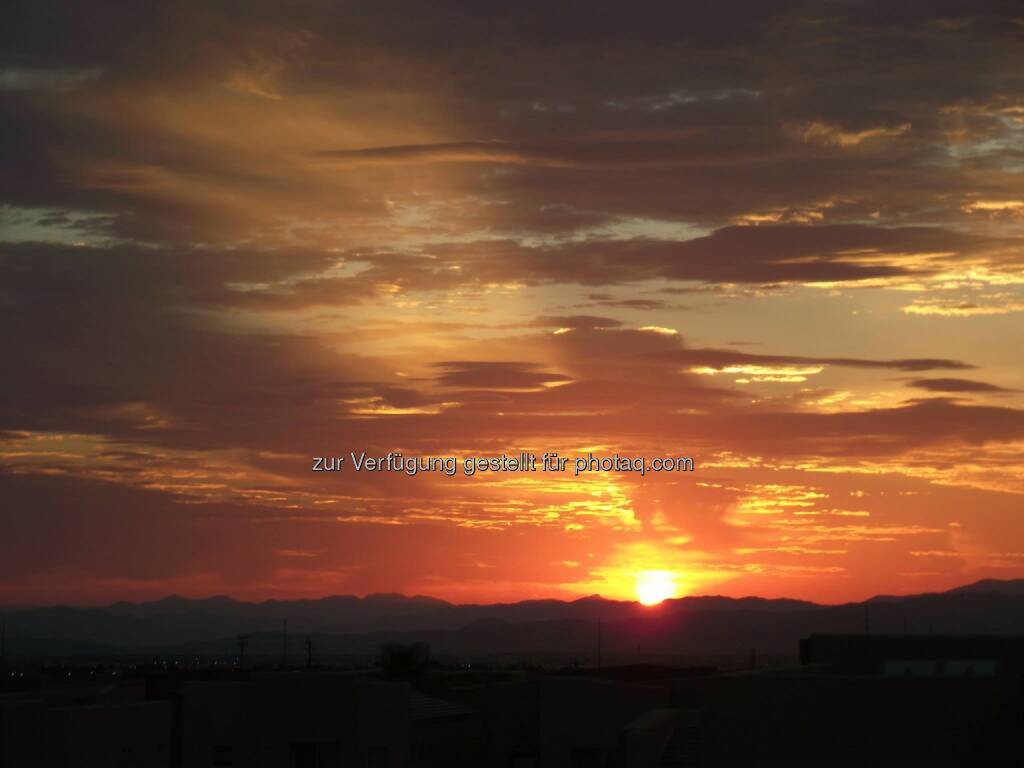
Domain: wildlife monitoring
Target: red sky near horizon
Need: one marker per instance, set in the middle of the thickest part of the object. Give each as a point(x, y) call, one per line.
point(785, 240)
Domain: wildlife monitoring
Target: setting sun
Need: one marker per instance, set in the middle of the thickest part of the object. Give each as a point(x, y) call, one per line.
point(654, 586)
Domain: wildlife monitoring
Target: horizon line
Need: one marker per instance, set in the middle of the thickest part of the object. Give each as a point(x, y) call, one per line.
point(567, 601)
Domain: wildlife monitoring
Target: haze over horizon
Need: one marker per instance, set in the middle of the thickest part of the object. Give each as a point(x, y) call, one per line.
point(783, 239)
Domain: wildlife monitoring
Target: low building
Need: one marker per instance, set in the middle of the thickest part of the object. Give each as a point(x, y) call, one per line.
point(916, 655)
point(133, 734)
point(662, 738)
point(444, 734)
point(294, 719)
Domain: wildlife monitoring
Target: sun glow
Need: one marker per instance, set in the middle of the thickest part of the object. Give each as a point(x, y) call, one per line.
point(654, 586)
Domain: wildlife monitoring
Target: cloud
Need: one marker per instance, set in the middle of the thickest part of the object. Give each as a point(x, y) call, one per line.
point(607, 300)
point(576, 322)
point(233, 241)
point(955, 385)
point(831, 134)
point(497, 376)
point(743, 254)
point(961, 308)
point(687, 149)
point(25, 79)
point(720, 359)
point(677, 132)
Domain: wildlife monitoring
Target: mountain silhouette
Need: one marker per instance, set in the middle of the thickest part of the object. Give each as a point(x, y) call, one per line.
point(699, 625)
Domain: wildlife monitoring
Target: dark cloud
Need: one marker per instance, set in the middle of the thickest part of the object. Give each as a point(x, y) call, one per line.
point(721, 358)
point(956, 385)
point(607, 300)
point(884, 431)
point(592, 341)
point(837, 105)
point(748, 254)
point(499, 376)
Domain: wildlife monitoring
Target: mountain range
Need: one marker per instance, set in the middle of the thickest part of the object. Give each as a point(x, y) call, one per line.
point(708, 626)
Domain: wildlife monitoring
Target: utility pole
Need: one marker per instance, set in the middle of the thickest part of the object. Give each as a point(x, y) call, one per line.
point(599, 643)
point(309, 652)
point(243, 641)
point(284, 645)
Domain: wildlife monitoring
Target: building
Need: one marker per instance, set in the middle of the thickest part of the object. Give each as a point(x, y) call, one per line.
point(916, 655)
point(294, 719)
point(84, 727)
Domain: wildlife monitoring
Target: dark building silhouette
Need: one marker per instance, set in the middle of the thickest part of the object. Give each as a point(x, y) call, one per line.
point(856, 700)
point(916, 655)
point(443, 733)
point(98, 726)
point(298, 720)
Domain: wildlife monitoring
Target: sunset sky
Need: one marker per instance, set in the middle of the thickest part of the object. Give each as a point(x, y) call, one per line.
point(783, 238)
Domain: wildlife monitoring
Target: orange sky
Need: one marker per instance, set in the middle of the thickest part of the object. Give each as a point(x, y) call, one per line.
point(785, 242)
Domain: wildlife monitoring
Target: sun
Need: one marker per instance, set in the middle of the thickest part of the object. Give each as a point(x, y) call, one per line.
point(654, 586)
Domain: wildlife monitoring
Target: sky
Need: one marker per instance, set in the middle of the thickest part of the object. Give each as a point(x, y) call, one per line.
point(784, 239)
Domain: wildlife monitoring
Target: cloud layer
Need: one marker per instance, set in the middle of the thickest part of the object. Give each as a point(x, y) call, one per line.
point(784, 240)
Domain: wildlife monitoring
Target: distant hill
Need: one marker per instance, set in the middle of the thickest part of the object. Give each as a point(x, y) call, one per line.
point(991, 586)
point(358, 625)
